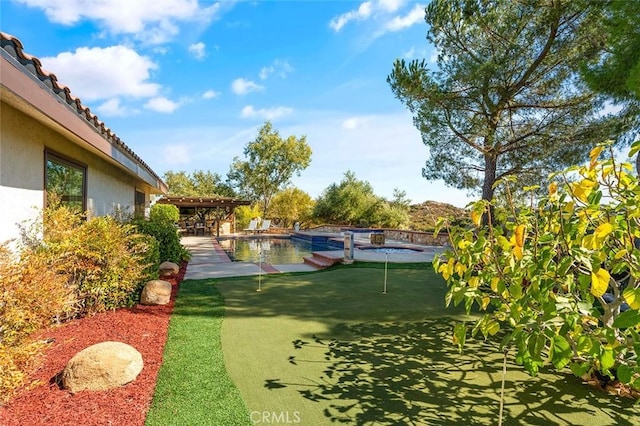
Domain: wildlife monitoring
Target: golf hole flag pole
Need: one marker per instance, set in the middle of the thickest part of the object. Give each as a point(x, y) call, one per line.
point(259, 266)
point(386, 261)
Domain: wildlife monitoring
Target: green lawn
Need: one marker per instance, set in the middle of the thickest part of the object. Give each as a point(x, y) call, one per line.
point(329, 347)
point(193, 387)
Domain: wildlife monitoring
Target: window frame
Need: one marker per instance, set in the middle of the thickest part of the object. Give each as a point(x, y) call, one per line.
point(139, 209)
point(56, 157)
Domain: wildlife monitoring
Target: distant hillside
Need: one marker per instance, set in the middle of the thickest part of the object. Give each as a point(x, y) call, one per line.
point(424, 216)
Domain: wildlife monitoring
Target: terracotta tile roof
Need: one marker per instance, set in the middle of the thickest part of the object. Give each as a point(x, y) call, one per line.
point(14, 47)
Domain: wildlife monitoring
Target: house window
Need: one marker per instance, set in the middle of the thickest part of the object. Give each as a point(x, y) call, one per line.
point(140, 203)
point(66, 181)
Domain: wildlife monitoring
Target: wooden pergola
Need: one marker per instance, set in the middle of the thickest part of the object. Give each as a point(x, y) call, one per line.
point(218, 208)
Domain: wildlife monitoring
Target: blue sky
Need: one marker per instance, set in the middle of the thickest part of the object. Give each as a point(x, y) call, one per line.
point(186, 84)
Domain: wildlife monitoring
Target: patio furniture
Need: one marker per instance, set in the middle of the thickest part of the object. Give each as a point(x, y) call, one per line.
point(188, 226)
point(252, 226)
point(266, 224)
point(199, 228)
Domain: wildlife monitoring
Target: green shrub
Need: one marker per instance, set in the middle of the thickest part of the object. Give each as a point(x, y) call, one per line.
point(561, 276)
point(106, 262)
point(32, 295)
point(68, 267)
point(164, 213)
point(146, 248)
point(167, 237)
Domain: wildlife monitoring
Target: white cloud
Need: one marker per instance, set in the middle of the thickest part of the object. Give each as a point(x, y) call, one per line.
point(152, 21)
point(265, 71)
point(240, 86)
point(175, 154)
point(161, 50)
point(385, 16)
point(104, 73)
point(265, 113)
point(351, 123)
point(197, 50)
point(362, 12)
point(415, 16)
point(410, 53)
point(210, 94)
point(414, 53)
point(162, 104)
point(113, 108)
point(391, 5)
point(278, 67)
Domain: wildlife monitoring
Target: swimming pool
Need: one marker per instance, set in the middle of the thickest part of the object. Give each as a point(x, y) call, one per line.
point(275, 251)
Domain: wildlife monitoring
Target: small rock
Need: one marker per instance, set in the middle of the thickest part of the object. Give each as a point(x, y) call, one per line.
point(168, 269)
point(156, 292)
point(102, 366)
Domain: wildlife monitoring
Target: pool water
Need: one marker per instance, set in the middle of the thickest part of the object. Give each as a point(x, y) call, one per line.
point(275, 251)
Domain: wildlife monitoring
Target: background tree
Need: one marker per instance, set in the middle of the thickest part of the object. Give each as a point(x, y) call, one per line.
point(616, 71)
point(291, 205)
point(396, 212)
point(505, 99)
point(353, 202)
point(244, 214)
point(270, 163)
point(347, 203)
point(200, 183)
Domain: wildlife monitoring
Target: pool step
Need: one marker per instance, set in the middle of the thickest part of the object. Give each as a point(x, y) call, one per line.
point(320, 261)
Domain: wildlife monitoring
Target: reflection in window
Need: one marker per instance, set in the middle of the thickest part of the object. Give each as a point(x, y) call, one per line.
point(66, 181)
point(139, 203)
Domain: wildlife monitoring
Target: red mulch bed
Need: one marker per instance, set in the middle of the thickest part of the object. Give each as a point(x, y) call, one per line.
point(143, 327)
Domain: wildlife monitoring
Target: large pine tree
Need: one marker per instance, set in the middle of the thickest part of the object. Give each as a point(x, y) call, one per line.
point(505, 97)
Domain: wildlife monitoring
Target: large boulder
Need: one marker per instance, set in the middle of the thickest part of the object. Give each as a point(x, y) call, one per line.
point(156, 292)
point(168, 269)
point(102, 366)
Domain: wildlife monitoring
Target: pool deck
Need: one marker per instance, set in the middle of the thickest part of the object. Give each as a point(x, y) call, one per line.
point(209, 260)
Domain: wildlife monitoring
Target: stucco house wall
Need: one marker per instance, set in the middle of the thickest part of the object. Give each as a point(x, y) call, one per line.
point(37, 115)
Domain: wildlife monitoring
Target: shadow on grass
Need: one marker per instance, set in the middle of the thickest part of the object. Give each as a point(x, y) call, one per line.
point(409, 374)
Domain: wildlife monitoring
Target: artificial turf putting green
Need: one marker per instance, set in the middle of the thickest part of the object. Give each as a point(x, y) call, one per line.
point(193, 387)
point(329, 347)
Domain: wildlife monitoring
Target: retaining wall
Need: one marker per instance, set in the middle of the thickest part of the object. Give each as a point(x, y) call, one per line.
point(415, 237)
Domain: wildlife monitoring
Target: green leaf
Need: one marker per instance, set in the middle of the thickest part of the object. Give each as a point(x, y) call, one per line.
point(515, 290)
point(459, 334)
point(491, 328)
point(624, 373)
point(561, 352)
point(607, 359)
point(579, 369)
point(627, 319)
point(584, 344)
